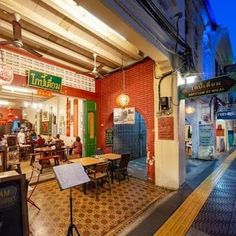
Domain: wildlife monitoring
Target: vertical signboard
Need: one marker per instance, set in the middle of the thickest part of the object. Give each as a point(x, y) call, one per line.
point(76, 117)
point(206, 141)
point(67, 117)
point(166, 128)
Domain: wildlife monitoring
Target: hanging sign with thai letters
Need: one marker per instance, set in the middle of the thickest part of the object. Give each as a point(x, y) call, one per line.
point(216, 85)
point(44, 81)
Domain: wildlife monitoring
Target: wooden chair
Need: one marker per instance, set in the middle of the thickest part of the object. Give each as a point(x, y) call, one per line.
point(100, 173)
point(14, 161)
point(36, 171)
point(122, 169)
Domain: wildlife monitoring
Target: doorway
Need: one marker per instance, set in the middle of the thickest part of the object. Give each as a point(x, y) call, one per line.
point(131, 138)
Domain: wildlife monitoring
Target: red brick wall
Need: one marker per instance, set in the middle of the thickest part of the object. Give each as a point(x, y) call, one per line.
point(139, 87)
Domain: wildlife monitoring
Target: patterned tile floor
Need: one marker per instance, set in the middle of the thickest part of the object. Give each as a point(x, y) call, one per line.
point(107, 216)
point(137, 168)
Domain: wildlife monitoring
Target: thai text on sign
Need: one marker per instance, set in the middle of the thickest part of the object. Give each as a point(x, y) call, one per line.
point(166, 128)
point(44, 81)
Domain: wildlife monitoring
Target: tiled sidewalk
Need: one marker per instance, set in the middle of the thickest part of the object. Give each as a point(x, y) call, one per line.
point(218, 215)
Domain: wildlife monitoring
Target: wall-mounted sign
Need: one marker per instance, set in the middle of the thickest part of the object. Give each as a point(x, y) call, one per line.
point(124, 116)
point(44, 93)
point(166, 128)
point(226, 115)
point(109, 137)
point(208, 87)
point(44, 81)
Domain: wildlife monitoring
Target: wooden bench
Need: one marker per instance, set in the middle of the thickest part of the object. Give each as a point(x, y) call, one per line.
point(44, 160)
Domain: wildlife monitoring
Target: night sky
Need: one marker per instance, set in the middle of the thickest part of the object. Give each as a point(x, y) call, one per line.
point(225, 15)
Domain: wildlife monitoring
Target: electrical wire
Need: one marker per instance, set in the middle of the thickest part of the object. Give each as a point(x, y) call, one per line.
point(146, 30)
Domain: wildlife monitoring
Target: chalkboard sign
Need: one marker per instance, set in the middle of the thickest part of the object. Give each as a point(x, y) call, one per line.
point(13, 205)
point(109, 137)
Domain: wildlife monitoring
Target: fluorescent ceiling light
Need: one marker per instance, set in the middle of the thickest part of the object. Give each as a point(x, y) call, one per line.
point(87, 18)
point(4, 102)
point(17, 89)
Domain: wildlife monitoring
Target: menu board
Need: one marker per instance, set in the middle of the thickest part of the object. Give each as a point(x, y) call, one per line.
point(109, 137)
point(13, 205)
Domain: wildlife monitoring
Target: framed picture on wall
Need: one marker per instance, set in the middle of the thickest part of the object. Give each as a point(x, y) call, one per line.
point(45, 116)
point(45, 127)
point(124, 116)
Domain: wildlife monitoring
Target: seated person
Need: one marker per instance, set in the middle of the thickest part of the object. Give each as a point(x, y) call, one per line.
point(40, 141)
point(50, 140)
point(77, 146)
point(59, 142)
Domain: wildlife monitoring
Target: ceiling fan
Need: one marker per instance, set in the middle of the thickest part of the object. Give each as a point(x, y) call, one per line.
point(17, 39)
point(96, 69)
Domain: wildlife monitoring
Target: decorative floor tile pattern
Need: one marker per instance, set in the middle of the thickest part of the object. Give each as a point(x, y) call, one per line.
point(107, 216)
point(137, 168)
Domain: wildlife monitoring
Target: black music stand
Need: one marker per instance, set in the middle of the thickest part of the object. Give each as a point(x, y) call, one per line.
point(69, 176)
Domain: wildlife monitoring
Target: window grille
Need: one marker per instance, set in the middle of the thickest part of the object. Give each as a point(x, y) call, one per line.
point(21, 64)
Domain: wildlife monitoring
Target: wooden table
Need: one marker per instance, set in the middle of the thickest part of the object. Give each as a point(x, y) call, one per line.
point(86, 161)
point(42, 150)
point(110, 156)
point(113, 157)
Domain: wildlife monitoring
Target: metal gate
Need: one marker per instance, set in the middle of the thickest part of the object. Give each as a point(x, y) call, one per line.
point(131, 138)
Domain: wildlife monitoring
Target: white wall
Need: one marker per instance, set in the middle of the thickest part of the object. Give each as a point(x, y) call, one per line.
point(170, 154)
point(57, 105)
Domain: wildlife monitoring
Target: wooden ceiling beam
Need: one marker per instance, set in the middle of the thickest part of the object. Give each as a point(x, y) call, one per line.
point(32, 16)
point(83, 63)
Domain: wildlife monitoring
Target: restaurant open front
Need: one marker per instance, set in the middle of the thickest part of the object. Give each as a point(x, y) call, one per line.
point(40, 110)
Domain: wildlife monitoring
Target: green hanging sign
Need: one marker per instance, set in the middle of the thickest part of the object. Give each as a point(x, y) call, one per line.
point(44, 81)
point(221, 84)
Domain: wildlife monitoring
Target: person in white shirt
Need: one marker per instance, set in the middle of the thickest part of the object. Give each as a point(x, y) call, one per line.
point(21, 137)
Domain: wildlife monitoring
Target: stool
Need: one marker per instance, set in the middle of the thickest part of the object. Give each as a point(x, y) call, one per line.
point(15, 166)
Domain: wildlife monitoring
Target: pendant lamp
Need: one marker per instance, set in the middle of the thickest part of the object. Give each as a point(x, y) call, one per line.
point(123, 99)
